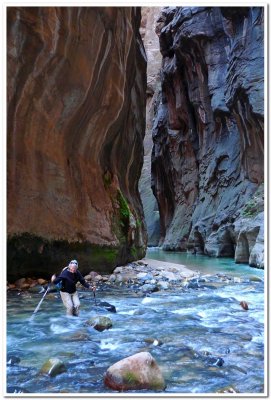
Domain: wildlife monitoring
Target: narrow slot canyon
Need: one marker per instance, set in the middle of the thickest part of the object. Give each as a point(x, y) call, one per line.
point(135, 200)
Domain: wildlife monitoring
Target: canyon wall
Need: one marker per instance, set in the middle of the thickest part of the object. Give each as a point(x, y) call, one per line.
point(154, 59)
point(76, 91)
point(208, 154)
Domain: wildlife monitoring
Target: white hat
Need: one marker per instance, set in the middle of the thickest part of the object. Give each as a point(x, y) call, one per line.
point(74, 263)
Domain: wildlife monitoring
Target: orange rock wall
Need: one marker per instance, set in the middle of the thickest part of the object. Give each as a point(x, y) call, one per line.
point(76, 84)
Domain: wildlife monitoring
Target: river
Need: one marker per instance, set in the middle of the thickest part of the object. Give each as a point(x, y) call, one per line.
point(208, 343)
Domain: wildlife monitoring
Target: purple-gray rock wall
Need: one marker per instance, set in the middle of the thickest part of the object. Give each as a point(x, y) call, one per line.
point(154, 58)
point(208, 154)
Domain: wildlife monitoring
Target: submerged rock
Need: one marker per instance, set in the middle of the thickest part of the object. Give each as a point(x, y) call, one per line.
point(36, 289)
point(154, 342)
point(217, 362)
point(16, 389)
point(100, 323)
point(53, 367)
point(137, 372)
point(255, 279)
point(227, 389)
point(109, 307)
point(12, 360)
point(80, 336)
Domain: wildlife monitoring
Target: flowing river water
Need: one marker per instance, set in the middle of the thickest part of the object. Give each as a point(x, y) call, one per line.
point(207, 342)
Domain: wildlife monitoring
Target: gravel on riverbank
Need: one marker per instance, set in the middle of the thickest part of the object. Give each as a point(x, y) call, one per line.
point(157, 274)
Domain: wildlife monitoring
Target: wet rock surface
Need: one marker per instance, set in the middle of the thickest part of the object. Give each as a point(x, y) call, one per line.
point(195, 329)
point(137, 372)
point(100, 323)
point(53, 367)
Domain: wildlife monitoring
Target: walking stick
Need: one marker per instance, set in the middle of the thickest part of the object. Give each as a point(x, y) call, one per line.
point(94, 288)
point(38, 306)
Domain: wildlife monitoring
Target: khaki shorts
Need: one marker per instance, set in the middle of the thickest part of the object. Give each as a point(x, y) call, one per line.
point(71, 302)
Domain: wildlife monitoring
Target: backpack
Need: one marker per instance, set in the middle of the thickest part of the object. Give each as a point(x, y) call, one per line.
point(59, 285)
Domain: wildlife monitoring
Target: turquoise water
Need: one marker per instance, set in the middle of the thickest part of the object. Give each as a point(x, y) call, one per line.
point(204, 264)
point(196, 326)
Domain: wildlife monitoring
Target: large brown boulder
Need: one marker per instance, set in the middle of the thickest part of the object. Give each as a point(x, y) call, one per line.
point(76, 88)
point(136, 372)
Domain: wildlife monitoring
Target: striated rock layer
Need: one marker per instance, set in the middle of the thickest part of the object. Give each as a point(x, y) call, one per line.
point(154, 58)
point(208, 155)
point(76, 120)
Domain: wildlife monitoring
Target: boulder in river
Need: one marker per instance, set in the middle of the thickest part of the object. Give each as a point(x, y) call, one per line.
point(42, 281)
point(100, 323)
point(53, 367)
point(36, 289)
point(255, 278)
point(244, 305)
point(227, 389)
point(153, 341)
point(109, 307)
point(12, 360)
point(79, 336)
point(148, 288)
point(20, 282)
point(217, 361)
point(139, 371)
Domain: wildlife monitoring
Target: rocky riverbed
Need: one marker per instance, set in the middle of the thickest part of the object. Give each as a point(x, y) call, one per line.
point(201, 331)
point(145, 276)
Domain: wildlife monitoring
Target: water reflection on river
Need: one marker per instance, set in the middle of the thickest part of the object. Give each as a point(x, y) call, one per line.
point(196, 327)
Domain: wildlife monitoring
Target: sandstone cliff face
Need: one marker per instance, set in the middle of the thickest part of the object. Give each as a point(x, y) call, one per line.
point(154, 58)
point(76, 120)
point(207, 159)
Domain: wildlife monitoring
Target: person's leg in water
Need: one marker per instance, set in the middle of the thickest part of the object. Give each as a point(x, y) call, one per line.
point(76, 304)
point(67, 301)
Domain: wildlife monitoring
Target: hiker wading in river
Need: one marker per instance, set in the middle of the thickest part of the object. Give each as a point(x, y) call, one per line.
point(69, 277)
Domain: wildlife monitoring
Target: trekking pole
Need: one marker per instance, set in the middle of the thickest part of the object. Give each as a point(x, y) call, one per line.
point(94, 294)
point(38, 306)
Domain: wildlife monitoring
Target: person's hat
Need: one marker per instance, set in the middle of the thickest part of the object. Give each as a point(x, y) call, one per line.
point(74, 262)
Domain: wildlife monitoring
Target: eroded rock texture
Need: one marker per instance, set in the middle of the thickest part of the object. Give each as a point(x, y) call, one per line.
point(154, 58)
point(76, 120)
point(208, 154)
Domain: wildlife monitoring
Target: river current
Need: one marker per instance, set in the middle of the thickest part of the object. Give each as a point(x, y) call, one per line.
point(207, 342)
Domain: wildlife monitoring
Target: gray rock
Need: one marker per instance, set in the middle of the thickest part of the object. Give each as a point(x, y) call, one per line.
point(112, 278)
point(163, 285)
point(144, 276)
point(208, 152)
point(148, 288)
point(12, 360)
point(250, 240)
point(107, 306)
point(100, 323)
